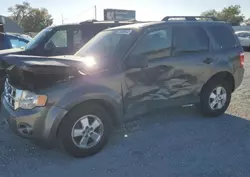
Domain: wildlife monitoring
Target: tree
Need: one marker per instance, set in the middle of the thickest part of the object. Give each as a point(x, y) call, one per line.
point(210, 13)
point(31, 19)
point(231, 14)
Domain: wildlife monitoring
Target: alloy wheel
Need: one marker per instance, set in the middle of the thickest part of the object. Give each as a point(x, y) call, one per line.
point(87, 131)
point(217, 98)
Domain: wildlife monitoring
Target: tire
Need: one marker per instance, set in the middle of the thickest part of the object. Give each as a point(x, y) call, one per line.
point(205, 99)
point(70, 141)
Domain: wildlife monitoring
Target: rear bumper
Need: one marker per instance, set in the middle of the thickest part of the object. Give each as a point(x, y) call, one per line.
point(238, 77)
point(39, 124)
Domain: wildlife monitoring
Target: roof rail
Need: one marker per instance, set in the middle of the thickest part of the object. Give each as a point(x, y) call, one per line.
point(89, 21)
point(190, 18)
point(109, 21)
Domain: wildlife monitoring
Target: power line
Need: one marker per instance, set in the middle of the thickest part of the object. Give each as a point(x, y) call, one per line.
point(87, 10)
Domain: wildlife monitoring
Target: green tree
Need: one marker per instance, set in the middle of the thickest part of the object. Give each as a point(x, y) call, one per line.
point(231, 14)
point(31, 19)
point(210, 13)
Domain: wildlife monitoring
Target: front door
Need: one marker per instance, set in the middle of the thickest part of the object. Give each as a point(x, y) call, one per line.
point(144, 87)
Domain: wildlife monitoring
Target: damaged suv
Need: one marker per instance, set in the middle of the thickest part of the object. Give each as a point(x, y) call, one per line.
point(74, 101)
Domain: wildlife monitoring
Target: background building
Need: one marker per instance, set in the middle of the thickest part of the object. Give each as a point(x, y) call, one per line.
point(7, 25)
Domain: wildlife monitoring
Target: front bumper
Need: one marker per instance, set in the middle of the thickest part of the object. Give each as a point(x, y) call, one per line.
point(39, 124)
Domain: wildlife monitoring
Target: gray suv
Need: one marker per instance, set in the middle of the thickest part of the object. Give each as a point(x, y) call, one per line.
point(74, 101)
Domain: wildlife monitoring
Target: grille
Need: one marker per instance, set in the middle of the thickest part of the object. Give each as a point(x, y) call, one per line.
point(12, 95)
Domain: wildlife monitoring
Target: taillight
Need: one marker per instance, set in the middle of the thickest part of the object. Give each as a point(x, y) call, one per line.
point(242, 59)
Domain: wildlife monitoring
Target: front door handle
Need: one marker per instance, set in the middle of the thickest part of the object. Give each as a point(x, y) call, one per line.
point(208, 60)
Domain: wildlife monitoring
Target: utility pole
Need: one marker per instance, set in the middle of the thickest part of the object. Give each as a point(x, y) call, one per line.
point(95, 12)
point(62, 18)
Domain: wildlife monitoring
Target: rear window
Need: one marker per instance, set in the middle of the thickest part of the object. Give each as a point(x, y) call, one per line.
point(223, 36)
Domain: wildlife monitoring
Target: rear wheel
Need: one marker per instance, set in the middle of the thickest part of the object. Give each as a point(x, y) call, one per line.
point(85, 131)
point(215, 98)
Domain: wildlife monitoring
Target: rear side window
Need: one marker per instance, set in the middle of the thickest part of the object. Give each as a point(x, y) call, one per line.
point(223, 36)
point(59, 39)
point(189, 39)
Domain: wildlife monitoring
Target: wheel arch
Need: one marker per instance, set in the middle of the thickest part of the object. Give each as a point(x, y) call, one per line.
point(111, 109)
point(222, 75)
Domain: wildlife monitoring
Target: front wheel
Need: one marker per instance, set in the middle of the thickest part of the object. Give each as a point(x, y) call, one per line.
point(215, 98)
point(85, 131)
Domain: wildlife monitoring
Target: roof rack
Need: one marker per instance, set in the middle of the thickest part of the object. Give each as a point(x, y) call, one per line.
point(89, 21)
point(110, 21)
point(190, 18)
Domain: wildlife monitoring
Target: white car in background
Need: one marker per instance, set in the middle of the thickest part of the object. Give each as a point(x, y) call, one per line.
point(244, 37)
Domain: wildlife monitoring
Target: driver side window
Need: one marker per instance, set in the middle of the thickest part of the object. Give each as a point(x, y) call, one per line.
point(59, 39)
point(155, 44)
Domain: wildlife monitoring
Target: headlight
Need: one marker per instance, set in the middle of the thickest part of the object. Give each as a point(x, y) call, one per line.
point(29, 100)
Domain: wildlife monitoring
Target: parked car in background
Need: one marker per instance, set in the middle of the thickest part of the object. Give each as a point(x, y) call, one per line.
point(58, 40)
point(120, 73)
point(12, 40)
point(244, 37)
point(63, 39)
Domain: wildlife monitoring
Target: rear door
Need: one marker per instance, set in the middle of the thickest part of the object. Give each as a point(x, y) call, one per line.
point(191, 60)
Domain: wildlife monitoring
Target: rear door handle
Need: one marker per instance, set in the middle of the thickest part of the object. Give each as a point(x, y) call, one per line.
point(208, 60)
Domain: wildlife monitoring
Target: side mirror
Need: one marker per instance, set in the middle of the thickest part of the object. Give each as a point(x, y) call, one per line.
point(49, 46)
point(137, 61)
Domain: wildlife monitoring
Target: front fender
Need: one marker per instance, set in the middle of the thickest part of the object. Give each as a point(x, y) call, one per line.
point(102, 93)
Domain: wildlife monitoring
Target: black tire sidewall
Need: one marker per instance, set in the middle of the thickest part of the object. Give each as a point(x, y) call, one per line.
point(204, 99)
point(66, 126)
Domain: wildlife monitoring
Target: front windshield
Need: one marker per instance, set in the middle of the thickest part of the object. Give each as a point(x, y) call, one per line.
point(109, 44)
point(38, 38)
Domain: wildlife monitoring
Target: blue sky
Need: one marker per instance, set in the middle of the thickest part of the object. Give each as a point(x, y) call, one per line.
point(80, 10)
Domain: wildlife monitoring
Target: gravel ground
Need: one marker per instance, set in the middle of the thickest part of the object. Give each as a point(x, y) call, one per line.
point(182, 143)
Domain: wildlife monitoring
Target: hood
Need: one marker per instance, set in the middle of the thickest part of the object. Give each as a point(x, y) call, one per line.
point(46, 65)
point(34, 72)
point(10, 51)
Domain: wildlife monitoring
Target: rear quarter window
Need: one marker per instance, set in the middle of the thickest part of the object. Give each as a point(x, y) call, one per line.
point(223, 36)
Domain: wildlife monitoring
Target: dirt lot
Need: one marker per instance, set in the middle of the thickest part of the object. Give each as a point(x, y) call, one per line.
point(176, 142)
